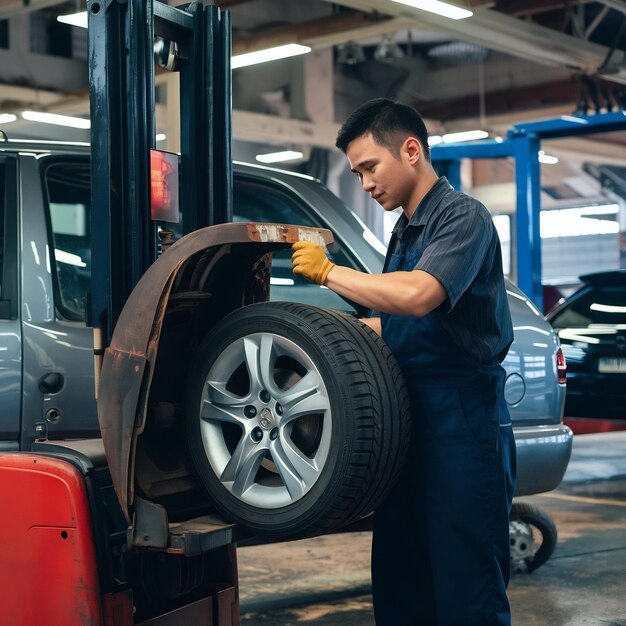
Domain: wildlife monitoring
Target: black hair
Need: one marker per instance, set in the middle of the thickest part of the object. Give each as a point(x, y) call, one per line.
point(384, 119)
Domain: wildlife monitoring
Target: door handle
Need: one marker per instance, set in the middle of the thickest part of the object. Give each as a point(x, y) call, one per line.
point(51, 382)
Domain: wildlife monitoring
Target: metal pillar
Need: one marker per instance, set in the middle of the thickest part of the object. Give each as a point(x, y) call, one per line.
point(527, 227)
point(522, 143)
point(451, 169)
point(121, 82)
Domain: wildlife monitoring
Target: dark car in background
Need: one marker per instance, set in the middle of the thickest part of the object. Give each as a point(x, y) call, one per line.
point(591, 325)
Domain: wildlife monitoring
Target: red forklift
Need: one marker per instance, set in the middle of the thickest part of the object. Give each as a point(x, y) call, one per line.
point(115, 531)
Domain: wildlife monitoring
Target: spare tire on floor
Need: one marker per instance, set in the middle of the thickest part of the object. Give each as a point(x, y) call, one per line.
point(297, 419)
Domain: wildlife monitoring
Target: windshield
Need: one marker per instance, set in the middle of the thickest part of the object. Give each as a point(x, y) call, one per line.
point(603, 306)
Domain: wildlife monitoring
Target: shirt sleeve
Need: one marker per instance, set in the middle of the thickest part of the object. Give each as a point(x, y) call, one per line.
point(457, 251)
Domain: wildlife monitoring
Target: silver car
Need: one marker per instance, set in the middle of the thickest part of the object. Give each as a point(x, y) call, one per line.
point(46, 361)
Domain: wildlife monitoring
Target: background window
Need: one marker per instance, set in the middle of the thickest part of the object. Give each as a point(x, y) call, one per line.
point(68, 186)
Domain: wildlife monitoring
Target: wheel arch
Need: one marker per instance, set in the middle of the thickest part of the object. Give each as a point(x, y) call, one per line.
point(200, 279)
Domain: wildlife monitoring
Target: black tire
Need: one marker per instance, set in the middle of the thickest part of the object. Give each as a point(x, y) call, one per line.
point(355, 436)
point(524, 557)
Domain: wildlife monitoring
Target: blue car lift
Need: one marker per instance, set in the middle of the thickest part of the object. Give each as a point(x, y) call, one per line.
point(522, 143)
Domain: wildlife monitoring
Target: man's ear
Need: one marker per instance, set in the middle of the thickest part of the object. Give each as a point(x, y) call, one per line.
point(412, 150)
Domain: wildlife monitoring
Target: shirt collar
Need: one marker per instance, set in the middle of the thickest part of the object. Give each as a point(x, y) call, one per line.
point(425, 208)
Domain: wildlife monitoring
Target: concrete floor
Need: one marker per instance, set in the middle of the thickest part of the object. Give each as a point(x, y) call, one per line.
point(325, 581)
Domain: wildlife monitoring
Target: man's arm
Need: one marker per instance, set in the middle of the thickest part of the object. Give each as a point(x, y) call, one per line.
point(373, 323)
point(415, 293)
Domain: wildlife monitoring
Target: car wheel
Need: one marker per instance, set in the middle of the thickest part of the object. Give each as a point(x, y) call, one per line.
point(532, 535)
point(297, 419)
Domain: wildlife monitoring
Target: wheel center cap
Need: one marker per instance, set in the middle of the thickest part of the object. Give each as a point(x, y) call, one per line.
point(266, 419)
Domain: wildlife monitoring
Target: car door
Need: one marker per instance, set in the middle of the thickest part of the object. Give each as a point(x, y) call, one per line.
point(59, 400)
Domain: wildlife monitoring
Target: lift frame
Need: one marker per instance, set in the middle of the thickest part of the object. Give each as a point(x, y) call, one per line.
point(522, 143)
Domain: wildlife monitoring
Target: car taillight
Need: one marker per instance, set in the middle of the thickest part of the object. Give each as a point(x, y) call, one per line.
point(561, 367)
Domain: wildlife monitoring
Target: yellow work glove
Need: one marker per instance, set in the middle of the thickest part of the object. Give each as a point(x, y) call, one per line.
point(310, 261)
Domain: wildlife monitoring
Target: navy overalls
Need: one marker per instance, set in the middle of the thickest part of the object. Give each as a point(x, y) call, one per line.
point(441, 543)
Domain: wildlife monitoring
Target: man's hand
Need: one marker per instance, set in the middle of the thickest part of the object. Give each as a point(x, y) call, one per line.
point(310, 261)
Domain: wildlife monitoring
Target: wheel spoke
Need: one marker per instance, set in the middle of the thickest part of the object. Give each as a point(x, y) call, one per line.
point(304, 398)
point(259, 356)
point(213, 413)
point(243, 465)
point(297, 471)
point(223, 406)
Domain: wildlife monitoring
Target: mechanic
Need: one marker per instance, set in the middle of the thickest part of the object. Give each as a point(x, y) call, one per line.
point(440, 551)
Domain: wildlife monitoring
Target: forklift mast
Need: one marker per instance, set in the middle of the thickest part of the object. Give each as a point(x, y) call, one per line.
point(193, 40)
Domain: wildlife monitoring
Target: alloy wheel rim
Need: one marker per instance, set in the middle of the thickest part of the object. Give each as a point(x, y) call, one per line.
point(265, 420)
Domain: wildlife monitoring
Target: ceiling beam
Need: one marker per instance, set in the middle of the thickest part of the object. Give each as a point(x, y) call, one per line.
point(322, 32)
point(504, 100)
point(507, 34)
point(618, 5)
point(581, 149)
point(258, 127)
point(535, 7)
point(15, 94)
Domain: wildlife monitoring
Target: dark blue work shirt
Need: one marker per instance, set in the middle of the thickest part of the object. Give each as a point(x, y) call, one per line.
point(452, 237)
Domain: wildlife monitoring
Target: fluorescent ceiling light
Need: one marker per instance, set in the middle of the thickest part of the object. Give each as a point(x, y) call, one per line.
point(161, 136)
point(269, 54)
point(240, 60)
point(5, 118)
point(468, 135)
point(546, 158)
point(277, 157)
point(74, 19)
point(53, 118)
point(433, 140)
point(440, 8)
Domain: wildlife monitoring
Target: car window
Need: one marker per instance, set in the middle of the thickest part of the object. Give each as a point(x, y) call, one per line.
point(259, 202)
point(599, 305)
point(68, 191)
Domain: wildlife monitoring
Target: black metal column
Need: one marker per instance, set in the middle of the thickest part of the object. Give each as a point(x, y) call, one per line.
point(121, 82)
point(109, 162)
point(218, 112)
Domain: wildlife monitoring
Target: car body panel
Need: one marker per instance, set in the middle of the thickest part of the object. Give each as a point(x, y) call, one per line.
point(543, 453)
point(50, 345)
point(531, 361)
point(591, 325)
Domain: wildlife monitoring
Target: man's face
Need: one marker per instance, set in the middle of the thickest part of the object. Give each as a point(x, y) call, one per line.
point(390, 179)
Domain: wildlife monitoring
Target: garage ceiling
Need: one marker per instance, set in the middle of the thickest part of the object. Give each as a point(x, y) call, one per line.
point(512, 60)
